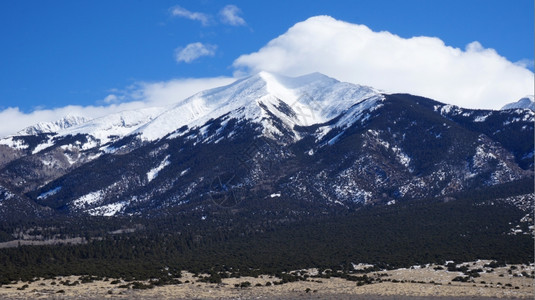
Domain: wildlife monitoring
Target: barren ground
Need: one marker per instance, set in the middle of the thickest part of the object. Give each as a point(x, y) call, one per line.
point(417, 283)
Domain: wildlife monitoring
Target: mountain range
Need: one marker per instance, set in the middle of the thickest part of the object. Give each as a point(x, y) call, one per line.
point(264, 143)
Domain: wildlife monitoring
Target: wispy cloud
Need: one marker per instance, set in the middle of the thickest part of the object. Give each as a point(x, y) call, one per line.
point(475, 77)
point(193, 51)
point(111, 98)
point(178, 11)
point(230, 15)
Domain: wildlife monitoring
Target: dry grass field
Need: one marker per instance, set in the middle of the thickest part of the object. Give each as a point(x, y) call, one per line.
point(427, 282)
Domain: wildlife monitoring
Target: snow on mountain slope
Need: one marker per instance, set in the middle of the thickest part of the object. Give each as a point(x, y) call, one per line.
point(13, 143)
point(100, 131)
point(154, 172)
point(56, 126)
point(524, 103)
point(111, 127)
point(306, 100)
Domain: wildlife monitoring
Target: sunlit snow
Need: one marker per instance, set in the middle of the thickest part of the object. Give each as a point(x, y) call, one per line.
point(88, 199)
point(305, 100)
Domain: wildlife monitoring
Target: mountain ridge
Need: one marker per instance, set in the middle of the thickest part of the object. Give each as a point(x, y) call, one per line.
point(527, 102)
point(54, 126)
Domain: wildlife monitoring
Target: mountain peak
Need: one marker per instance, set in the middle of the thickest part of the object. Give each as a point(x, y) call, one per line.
point(296, 82)
point(313, 98)
point(526, 102)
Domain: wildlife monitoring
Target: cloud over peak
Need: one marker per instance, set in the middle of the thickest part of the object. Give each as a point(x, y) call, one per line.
point(476, 77)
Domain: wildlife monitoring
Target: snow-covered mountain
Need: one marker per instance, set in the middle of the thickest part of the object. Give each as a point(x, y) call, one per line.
point(56, 126)
point(309, 141)
point(524, 103)
point(302, 101)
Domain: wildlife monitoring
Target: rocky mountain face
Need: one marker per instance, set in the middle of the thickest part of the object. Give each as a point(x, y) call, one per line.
point(304, 144)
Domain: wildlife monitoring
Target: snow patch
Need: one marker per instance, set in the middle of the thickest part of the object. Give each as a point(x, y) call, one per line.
point(481, 118)
point(450, 109)
point(482, 156)
point(154, 172)
point(88, 199)
point(90, 144)
point(14, 143)
point(335, 139)
point(402, 158)
point(108, 210)
point(49, 193)
point(43, 146)
point(321, 132)
point(94, 156)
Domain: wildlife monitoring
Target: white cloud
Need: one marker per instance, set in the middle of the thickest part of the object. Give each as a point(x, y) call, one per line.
point(230, 15)
point(476, 77)
point(526, 63)
point(193, 51)
point(111, 98)
point(168, 92)
point(196, 16)
point(140, 95)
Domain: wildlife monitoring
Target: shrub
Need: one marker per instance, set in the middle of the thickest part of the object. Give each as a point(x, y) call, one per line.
point(461, 279)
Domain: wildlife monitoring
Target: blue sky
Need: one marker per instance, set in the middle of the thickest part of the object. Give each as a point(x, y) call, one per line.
point(60, 53)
